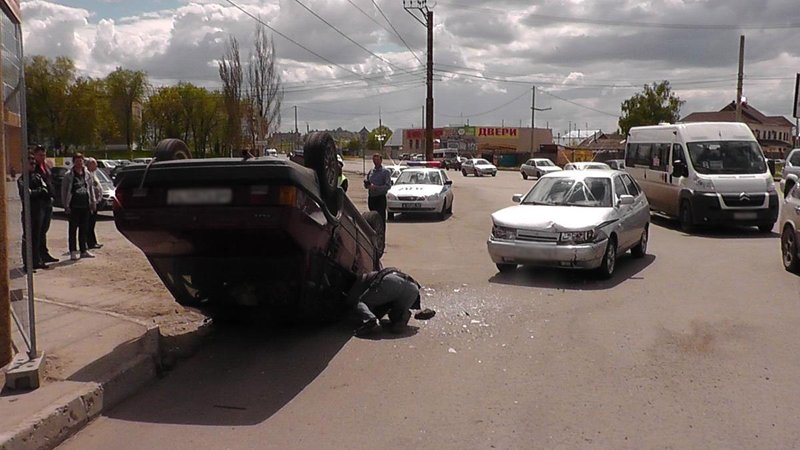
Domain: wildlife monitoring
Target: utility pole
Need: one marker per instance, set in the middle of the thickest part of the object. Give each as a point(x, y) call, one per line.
point(533, 111)
point(421, 6)
point(739, 80)
point(296, 131)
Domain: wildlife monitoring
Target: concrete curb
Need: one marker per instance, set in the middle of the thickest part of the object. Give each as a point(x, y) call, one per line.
point(143, 362)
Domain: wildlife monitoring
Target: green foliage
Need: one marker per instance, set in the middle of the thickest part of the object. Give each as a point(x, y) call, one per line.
point(374, 142)
point(353, 146)
point(655, 104)
point(126, 90)
point(47, 93)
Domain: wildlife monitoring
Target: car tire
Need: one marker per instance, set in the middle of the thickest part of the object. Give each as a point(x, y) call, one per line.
point(609, 264)
point(443, 212)
point(789, 250)
point(450, 208)
point(538, 174)
point(375, 221)
point(319, 154)
point(494, 174)
point(505, 267)
point(524, 175)
point(685, 217)
point(463, 172)
point(641, 248)
point(766, 227)
point(477, 173)
point(169, 149)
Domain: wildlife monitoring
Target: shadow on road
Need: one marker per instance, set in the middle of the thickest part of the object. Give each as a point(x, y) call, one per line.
point(242, 376)
point(722, 232)
point(553, 278)
point(418, 218)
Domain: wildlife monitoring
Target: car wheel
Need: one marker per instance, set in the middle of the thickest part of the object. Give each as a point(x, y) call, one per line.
point(319, 154)
point(375, 221)
point(443, 212)
point(765, 227)
point(169, 149)
point(687, 222)
point(506, 268)
point(789, 250)
point(477, 173)
point(524, 176)
point(641, 248)
point(463, 172)
point(450, 208)
point(538, 174)
point(609, 259)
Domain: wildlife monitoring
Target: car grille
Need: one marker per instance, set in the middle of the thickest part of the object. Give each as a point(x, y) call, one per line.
point(739, 200)
point(410, 198)
point(537, 236)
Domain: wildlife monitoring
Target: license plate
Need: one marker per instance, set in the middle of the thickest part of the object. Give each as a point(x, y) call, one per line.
point(411, 205)
point(199, 196)
point(745, 215)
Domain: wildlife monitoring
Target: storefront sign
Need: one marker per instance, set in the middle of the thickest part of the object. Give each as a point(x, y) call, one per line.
point(498, 132)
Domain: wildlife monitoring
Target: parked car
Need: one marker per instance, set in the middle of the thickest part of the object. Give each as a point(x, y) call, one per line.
point(586, 166)
point(616, 164)
point(58, 174)
point(396, 170)
point(421, 190)
point(106, 203)
point(478, 167)
point(536, 167)
point(572, 219)
point(789, 221)
point(142, 160)
point(266, 234)
point(791, 168)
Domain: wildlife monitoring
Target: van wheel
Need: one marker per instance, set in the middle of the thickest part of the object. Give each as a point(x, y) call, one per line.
point(524, 176)
point(375, 221)
point(606, 269)
point(319, 154)
point(789, 250)
point(169, 149)
point(687, 222)
point(641, 248)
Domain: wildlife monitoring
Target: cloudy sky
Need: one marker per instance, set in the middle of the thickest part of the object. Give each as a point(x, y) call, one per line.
point(584, 57)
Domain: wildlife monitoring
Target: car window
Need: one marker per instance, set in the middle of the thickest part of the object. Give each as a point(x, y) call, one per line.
point(794, 158)
point(530, 162)
point(569, 167)
point(619, 187)
point(633, 188)
point(481, 161)
point(590, 191)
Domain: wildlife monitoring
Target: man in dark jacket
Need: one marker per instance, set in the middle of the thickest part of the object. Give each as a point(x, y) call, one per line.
point(39, 196)
point(40, 156)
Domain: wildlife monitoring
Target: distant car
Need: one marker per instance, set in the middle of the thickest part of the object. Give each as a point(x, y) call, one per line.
point(587, 166)
point(58, 174)
point(791, 168)
point(789, 221)
point(107, 201)
point(396, 169)
point(453, 163)
point(616, 164)
point(536, 167)
point(142, 160)
point(478, 167)
point(572, 219)
point(270, 152)
point(421, 190)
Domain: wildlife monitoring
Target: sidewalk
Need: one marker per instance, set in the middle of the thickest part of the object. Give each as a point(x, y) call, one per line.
point(107, 327)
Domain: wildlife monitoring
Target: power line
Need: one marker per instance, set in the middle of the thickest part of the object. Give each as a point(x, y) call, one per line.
point(395, 30)
point(366, 14)
point(493, 109)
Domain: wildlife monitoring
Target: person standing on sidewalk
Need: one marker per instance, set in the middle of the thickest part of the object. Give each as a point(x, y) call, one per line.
point(78, 203)
point(40, 157)
point(39, 196)
point(97, 192)
point(378, 181)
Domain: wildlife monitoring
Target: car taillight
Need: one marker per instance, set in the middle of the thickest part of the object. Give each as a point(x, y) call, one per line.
point(287, 195)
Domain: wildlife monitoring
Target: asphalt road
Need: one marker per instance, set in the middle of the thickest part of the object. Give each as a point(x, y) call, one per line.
point(693, 346)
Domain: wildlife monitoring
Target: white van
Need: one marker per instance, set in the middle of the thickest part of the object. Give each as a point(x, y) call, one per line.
point(703, 173)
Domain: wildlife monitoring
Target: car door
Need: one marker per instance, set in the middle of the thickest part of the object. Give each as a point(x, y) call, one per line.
point(447, 189)
point(640, 210)
point(626, 228)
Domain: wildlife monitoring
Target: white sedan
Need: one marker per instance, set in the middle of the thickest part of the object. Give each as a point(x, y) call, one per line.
point(478, 167)
point(536, 167)
point(587, 165)
point(572, 219)
point(421, 190)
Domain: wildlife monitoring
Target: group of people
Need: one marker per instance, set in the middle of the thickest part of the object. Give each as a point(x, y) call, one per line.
point(80, 194)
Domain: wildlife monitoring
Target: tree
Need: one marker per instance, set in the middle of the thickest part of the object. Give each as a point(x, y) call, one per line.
point(230, 72)
point(88, 117)
point(656, 104)
point(265, 94)
point(354, 146)
point(126, 89)
point(47, 90)
point(378, 138)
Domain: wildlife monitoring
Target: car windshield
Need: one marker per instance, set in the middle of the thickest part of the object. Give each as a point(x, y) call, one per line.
point(415, 177)
point(481, 162)
point(565, 191)
point(546, 162)
point(731, 157)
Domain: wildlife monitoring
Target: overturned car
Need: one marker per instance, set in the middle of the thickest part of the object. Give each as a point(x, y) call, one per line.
point(265, 232)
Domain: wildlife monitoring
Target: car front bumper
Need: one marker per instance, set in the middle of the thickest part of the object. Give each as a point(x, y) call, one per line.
point(707, 210)
point(579, 256)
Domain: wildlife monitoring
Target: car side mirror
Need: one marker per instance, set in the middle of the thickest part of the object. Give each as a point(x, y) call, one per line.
point(625, 199)
point(680, 169)
point(516, 198)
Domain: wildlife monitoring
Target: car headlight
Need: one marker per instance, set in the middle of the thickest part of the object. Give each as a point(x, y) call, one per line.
point(391, 196)
point(432, 197)
point(504, 233)
point(705, 185)
point(576, 237)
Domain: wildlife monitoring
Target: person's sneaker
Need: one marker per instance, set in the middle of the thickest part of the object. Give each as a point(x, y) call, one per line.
point(74, 256)
point(86, 254)
point(367, 327)
point(95, 246)
point(41, 266)
point(49, 259)
point(400, 326)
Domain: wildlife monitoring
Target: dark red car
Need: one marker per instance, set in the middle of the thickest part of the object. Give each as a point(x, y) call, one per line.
point(263, 232)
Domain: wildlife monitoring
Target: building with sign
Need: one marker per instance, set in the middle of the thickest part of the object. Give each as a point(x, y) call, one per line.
point(503, 145)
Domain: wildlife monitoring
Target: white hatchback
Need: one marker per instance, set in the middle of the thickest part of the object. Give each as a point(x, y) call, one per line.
point(421, 190)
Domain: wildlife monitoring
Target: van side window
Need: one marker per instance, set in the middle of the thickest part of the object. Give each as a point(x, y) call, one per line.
point(633, 189)
point(660, 157)
point(630, 155)
point(643, 154)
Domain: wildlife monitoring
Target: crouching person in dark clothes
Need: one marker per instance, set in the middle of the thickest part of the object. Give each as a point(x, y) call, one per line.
point(388, 291)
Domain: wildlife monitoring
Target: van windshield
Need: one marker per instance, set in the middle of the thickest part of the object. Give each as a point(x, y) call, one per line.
point(727, 157)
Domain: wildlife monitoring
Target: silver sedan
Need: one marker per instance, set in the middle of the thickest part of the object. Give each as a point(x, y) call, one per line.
point(573, 219)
